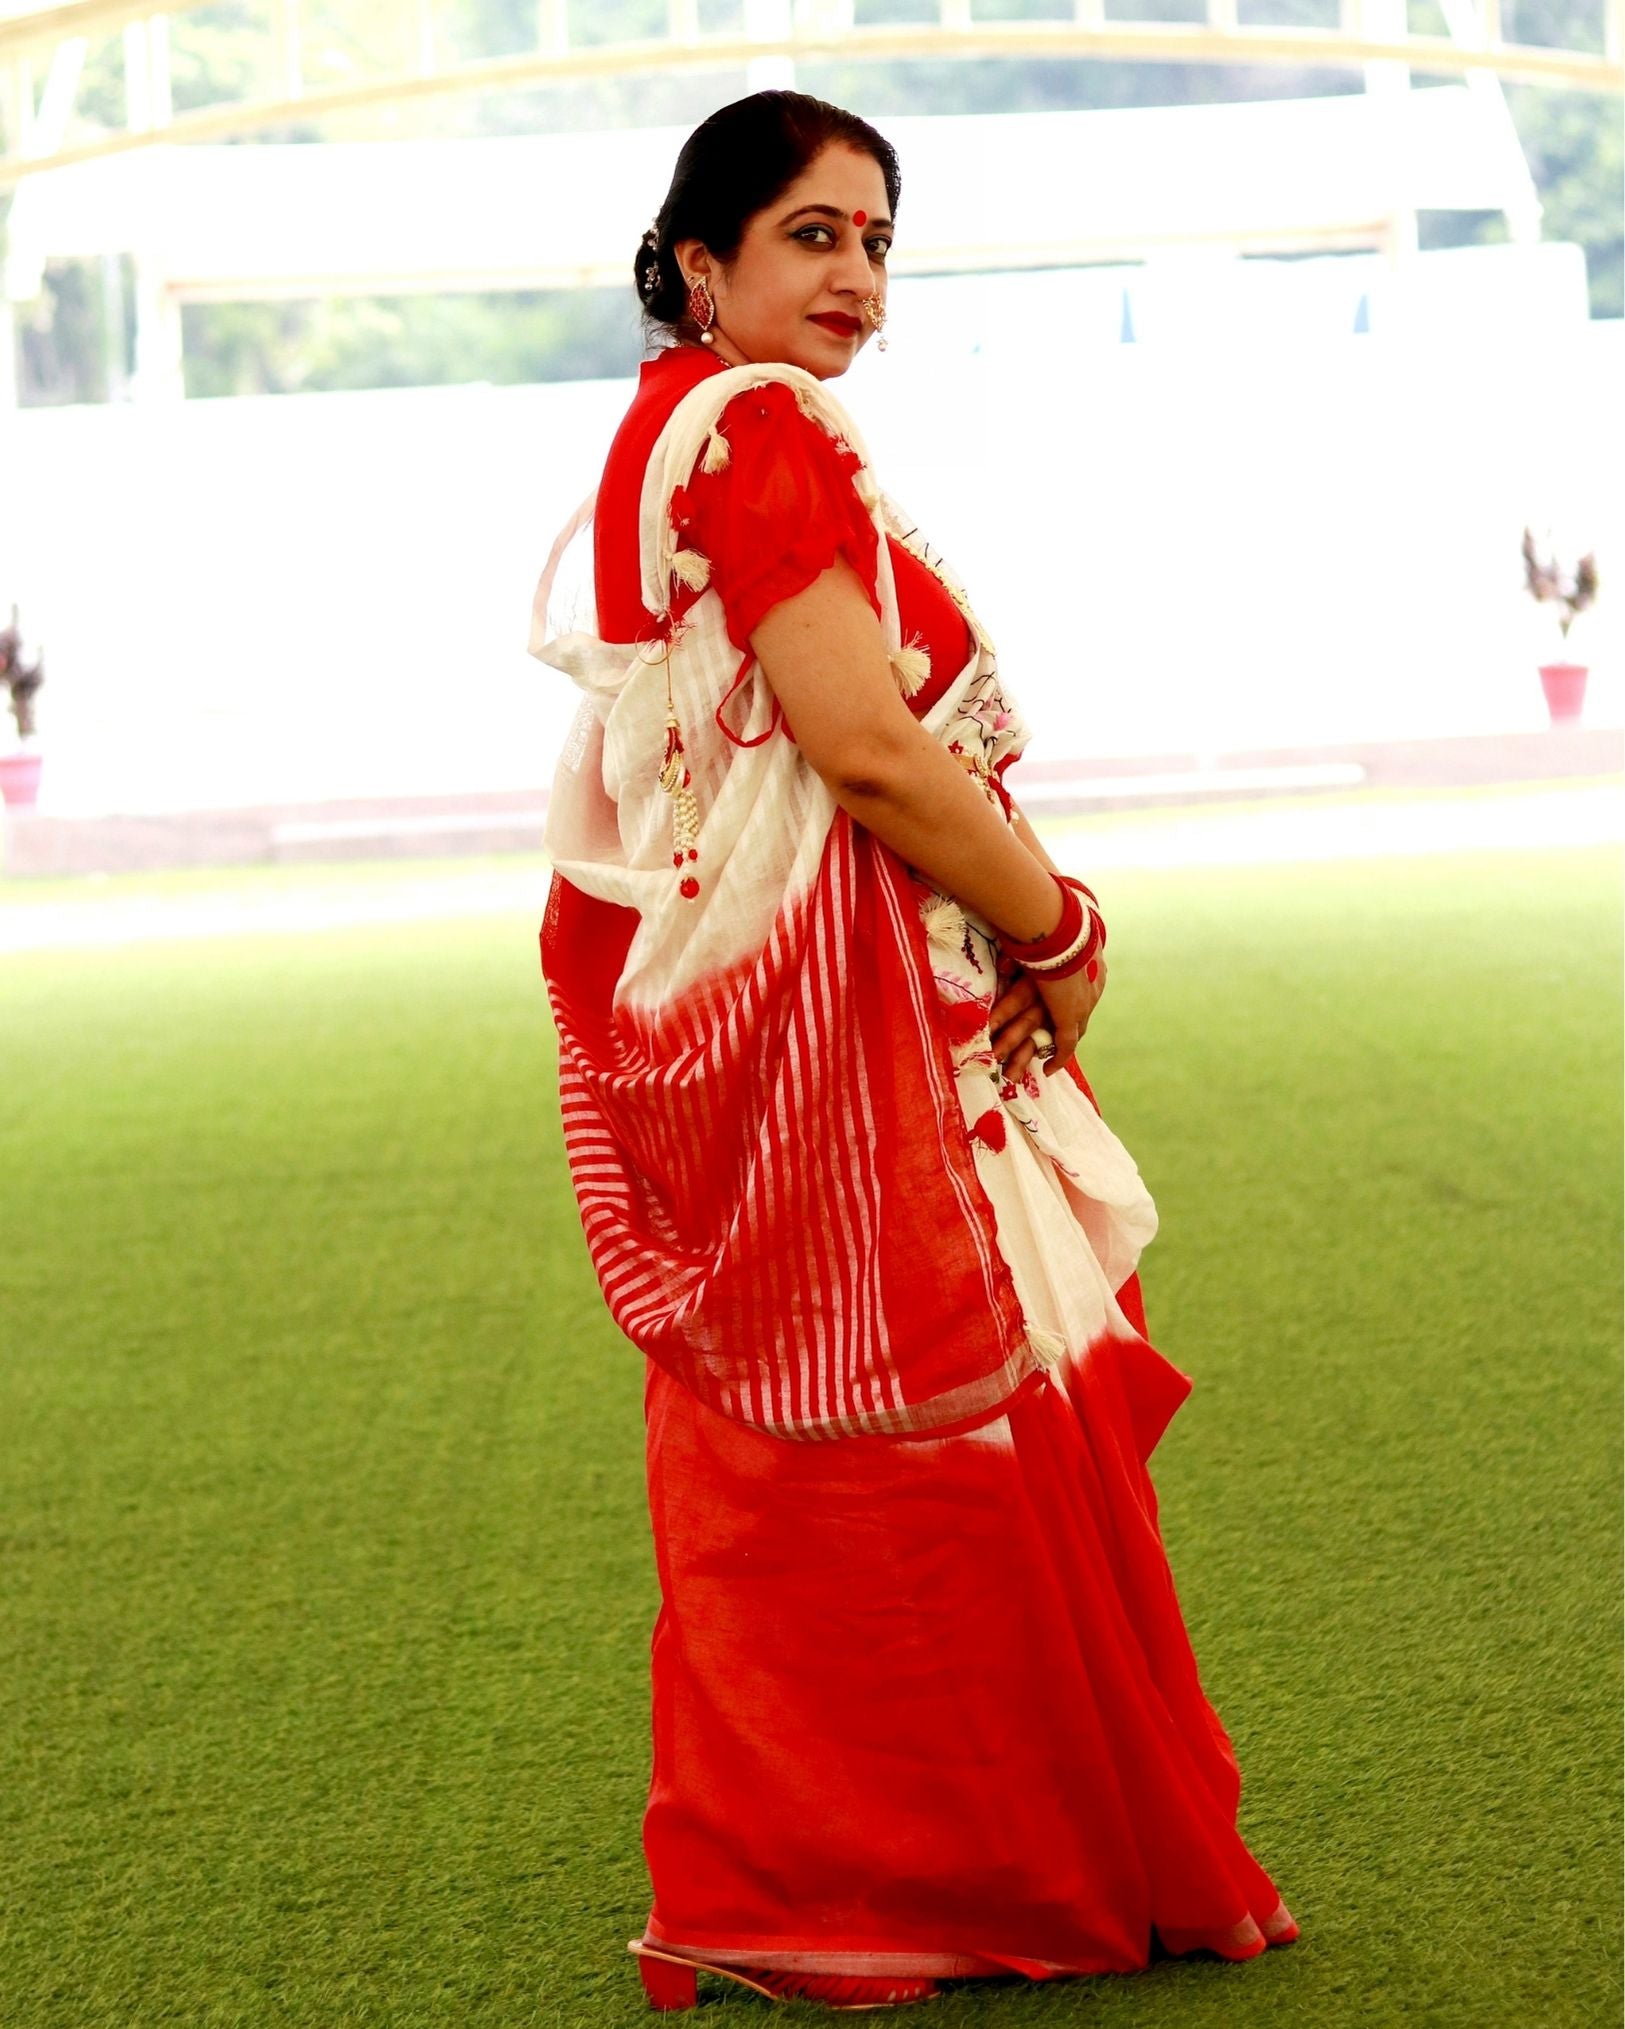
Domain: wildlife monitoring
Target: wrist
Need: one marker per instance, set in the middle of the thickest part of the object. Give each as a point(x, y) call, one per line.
point(1073, 945)
point(1058, 938)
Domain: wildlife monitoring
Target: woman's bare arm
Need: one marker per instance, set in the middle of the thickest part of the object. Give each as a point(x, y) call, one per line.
point(823, 653)
point(1029, 837)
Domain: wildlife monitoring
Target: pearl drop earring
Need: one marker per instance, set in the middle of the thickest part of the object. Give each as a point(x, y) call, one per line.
point(702, 311)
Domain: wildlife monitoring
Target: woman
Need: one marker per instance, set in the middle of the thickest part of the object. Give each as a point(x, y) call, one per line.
point(924, 1703)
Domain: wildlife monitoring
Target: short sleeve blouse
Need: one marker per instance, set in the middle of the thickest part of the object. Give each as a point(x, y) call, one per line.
point(769, 521)
point(779, 512)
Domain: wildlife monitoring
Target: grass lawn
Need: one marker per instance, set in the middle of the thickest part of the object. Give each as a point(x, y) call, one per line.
point(327, 1580)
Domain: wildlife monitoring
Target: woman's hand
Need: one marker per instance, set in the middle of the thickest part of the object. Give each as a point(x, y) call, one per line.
point(1061, 1005)
point(1071, 1001)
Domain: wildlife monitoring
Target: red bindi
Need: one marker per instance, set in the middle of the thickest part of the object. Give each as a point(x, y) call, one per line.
point(860, 218)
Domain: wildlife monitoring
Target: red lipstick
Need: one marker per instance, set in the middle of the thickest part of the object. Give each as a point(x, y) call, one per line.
point(832, 320)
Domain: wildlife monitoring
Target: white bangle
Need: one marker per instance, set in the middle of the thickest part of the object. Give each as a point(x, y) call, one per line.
point(1071, 951)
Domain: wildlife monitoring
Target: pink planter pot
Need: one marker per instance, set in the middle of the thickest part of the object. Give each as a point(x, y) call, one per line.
point(1565, 686)
point(19, 778)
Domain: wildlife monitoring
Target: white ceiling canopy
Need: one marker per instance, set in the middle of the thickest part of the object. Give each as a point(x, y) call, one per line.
point(241, 222)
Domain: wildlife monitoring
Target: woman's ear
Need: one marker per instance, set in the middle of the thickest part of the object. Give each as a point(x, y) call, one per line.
point(693, 259)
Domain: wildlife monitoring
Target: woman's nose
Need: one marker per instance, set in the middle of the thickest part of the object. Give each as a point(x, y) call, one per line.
point(855, 272)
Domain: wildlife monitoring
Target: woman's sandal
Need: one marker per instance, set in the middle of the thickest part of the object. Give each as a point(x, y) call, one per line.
point(669, 1983)
point(1244, 1941)
point(1280, 1926)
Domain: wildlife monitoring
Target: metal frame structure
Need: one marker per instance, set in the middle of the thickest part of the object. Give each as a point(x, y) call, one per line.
point(42, 54)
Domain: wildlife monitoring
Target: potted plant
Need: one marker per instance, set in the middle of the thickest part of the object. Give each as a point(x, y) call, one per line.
point(1564, 682)
point(20, 769)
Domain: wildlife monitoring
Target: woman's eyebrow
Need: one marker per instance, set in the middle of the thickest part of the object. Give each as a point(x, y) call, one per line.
point(828, 211)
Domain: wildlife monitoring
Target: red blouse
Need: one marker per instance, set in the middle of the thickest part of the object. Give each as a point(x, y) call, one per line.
point(770, 521)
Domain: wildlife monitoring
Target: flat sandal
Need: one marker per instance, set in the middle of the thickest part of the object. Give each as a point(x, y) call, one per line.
point(669, 1983)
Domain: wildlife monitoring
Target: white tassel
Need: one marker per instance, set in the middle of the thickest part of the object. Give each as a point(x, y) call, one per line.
point(943, 919)
point(693, 567)
point(717, 453)
point(913, 666)
point(1049, 1348)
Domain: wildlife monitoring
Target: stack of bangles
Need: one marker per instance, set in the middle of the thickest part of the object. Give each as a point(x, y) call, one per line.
point(1076, 941)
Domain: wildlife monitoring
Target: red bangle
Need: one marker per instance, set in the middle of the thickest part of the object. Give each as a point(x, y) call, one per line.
point(1084, 959)
point(1072, 881)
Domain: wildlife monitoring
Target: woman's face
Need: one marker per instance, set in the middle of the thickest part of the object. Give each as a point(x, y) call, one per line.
point(803, 257)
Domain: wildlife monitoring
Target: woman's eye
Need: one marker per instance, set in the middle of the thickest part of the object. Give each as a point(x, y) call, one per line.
point(882, 245)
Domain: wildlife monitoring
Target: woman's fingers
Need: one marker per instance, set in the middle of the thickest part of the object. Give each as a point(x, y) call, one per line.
point(1021, 1011)
point(1019, 998)
point(1066, 1041)
point(1014, 1041)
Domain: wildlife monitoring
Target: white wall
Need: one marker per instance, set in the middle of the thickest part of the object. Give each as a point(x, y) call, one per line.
point(1239, 531)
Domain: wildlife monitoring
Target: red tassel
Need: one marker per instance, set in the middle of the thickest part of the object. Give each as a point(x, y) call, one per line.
point(989, 1130)
point(965, 1021)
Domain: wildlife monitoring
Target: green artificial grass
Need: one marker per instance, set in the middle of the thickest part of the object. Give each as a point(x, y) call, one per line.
point(327, 1585)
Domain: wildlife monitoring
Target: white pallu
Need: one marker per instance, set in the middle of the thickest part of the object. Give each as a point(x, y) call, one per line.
point(1071, 1211)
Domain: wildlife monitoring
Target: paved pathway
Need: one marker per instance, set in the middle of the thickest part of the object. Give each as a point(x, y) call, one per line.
point(299, 899)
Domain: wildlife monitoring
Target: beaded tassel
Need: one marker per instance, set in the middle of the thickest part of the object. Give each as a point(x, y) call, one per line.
point(692, 568)
point(685, 822)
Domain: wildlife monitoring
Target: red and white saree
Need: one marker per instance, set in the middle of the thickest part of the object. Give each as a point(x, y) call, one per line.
point(923, 1696)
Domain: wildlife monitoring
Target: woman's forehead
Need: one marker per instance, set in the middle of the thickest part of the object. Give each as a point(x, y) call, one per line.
point(838, 176)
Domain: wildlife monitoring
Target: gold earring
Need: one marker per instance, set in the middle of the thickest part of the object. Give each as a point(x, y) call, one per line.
point(702, 311)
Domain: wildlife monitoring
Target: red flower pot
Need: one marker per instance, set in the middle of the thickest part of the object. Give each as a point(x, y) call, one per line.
point(19, 778)
point(1565, 686)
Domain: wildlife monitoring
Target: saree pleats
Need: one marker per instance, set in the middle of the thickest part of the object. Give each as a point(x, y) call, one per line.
point(931, 1707)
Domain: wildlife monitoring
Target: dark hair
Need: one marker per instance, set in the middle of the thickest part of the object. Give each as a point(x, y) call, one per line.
point(733, 164)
